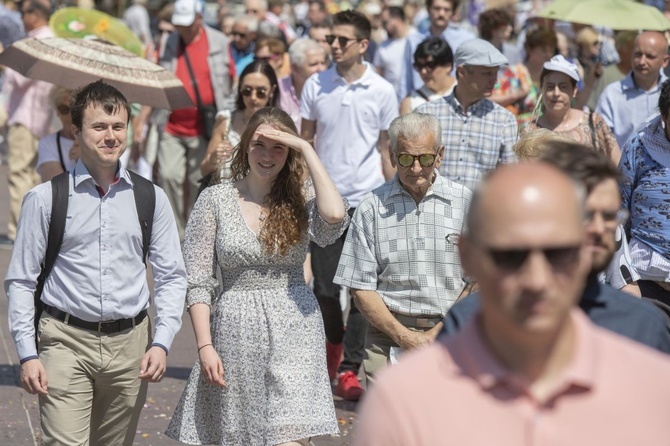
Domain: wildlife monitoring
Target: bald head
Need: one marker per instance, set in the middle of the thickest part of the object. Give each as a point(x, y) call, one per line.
point(523, 191)
point(650, 56)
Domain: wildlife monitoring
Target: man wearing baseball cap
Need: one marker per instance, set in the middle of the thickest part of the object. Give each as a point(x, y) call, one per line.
point(198, 55)
point(478, 134)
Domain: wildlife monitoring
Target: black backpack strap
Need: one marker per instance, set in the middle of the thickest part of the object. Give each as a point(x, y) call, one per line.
point(60, 152)
point(145, 202)
point(60, 192)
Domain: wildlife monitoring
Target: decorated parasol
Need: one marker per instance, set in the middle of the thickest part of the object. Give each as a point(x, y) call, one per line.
point(73, 63)
point(85, 23)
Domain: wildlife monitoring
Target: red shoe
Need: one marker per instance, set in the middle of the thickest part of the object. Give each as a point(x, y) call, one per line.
point(333, 358)
point(348, 386)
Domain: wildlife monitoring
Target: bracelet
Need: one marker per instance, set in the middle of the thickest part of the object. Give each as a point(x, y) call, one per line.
point(203, 346)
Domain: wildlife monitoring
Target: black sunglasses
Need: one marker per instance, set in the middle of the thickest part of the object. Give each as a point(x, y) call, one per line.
point(63, 109)
point(429, 65)
point(425, 159)
point(235, 33)
point(343, 41)
point(261, 92)
point(513, 259)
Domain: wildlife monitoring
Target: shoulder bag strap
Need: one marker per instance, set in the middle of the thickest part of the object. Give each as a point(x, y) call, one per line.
point(60, 191)
point(592, 128)
point(145, 202)
point(60, 151)
point(190, 72)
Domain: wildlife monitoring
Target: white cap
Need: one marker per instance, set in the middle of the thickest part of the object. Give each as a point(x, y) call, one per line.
point(560, 64)
point(185, 11)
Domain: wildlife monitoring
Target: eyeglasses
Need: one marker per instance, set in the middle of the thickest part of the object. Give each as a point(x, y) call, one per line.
point(341, 40)
point(267, 58)
point(63, 109)
point(235, 33)
point(27, 11)
point(429, 65)
point(610, 218)
point(261, 92)
point(425, 159)
point(513, 259)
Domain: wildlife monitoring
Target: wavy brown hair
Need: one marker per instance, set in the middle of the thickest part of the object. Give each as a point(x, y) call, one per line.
point(287, 219)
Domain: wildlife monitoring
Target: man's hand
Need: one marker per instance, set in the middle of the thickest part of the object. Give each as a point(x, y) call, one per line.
point(153, 365)
point(415, 339)
point(34, 377)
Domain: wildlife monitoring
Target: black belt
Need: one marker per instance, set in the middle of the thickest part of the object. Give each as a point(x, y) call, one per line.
point(100, 327)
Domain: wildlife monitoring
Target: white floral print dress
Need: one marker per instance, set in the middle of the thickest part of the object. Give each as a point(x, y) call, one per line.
point(266, 326)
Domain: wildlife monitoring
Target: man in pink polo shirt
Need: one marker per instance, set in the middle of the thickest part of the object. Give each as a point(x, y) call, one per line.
point(529, 369)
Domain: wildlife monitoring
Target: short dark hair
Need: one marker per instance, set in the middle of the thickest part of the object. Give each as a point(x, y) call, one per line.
point(396, 12)
point(540, 36)
point(361, 24)
point(43, 7)
point(97, 93)
point(584, 164)
point(437, 48)
point(664, 99)
point(259, 66)
point(320, 3)
point(492, 19)
point(454, 4)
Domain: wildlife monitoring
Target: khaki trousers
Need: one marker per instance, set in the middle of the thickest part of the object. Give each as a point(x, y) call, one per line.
point(378, 351)
point(22, 175)
point(95, 394)
point(179, 159)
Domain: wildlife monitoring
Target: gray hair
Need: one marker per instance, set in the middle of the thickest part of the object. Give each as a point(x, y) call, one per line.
point(58, 92)
point(413, 126)
point(249, 20)
point(300, 47)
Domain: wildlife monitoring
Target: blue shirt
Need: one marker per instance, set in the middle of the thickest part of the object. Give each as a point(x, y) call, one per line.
point(609, 308)
point(624, 106)
point(99, 274)
point(453, 35)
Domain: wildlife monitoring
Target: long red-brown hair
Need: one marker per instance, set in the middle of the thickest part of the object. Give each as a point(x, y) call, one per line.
point(287, 219)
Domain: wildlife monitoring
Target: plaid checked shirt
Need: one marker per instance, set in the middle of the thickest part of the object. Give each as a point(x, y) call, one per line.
point(407, 253)
point(475, 142)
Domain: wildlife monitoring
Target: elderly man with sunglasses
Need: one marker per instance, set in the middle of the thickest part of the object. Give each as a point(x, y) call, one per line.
point(400, 256)
point(530, 368)
point(607, 307)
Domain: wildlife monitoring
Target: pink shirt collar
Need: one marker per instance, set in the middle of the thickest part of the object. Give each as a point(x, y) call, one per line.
point(469, 352)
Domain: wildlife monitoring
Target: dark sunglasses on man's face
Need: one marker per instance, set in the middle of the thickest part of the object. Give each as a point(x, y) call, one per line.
point(236, 33)
point(343, 41)
point(261, 93)
point(425, 159)
point(511, 260)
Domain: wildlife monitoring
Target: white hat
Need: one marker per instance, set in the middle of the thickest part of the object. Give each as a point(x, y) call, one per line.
point(479, 52)
point(560, 64)
point(185, 11)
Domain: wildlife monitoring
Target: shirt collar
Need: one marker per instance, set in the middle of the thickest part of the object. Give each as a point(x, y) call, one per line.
point(81, 174)
point(473, 358)
point(629, 83)
point(365, 80)
point(439, 188)
point(474, 107)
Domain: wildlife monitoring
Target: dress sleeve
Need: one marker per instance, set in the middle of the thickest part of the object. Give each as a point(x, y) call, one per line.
point(320, 231)
point(200, 249)
point(606, 142)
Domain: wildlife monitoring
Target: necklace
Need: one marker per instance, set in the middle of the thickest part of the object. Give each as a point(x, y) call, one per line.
point(261, 214)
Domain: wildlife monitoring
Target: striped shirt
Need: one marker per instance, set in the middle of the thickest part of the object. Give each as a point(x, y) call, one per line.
point(475, 141)
point(407, 252)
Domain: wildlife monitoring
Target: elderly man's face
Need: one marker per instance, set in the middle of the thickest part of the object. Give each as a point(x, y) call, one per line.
point(315, 62)
point(417, 177)
point(649, 55)
point(527, 251)
point(255, 8)
point(241, 36)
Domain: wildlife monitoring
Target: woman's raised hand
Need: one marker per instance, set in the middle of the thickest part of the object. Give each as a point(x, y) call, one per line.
point(292, 141)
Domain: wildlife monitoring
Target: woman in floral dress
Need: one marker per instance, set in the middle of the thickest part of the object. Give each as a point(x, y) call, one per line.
point(261, 376)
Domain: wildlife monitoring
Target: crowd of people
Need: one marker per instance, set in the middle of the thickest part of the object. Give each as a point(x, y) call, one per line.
point(485, 191)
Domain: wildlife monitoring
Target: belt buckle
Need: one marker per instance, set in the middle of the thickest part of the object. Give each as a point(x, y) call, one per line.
point(422, 322)
point(104, 324)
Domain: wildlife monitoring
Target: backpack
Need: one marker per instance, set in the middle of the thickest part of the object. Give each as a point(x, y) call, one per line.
point(145, 202)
